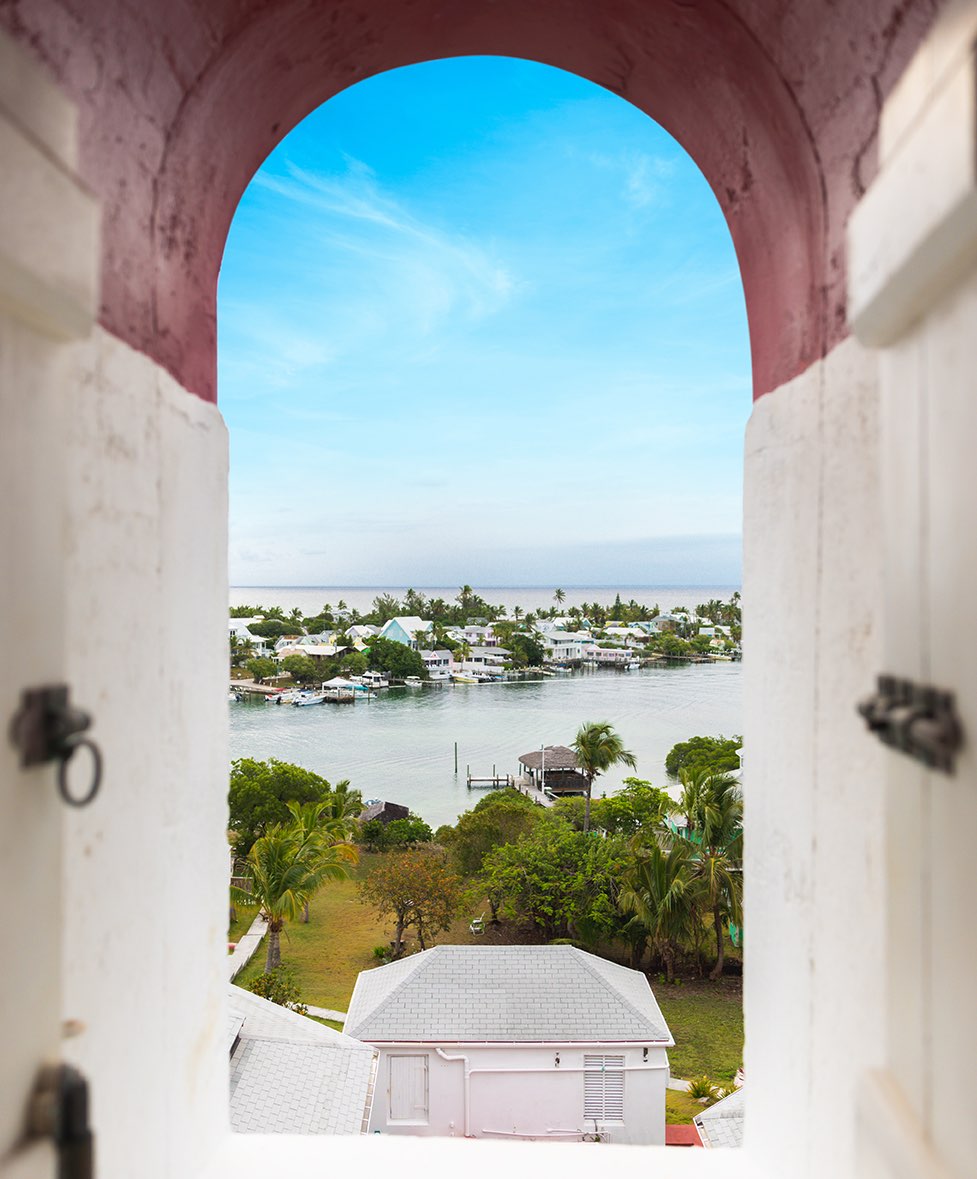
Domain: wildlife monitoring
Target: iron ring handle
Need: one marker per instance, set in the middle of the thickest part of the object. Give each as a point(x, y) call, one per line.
point(66, 754)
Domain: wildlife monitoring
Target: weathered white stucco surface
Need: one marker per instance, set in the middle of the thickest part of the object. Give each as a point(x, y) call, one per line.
point(113, 534)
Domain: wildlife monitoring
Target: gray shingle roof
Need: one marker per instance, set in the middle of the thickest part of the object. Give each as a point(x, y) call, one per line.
point(505, 994)
point(291, 1075)
point(722, 1124)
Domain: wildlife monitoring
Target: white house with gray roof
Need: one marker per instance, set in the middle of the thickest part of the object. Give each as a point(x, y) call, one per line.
point(292, 1075)
point(519, 1042)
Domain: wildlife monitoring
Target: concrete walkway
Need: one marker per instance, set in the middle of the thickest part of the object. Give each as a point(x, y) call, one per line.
point(675, 1083)
point(327, 1013)
point(246, 947)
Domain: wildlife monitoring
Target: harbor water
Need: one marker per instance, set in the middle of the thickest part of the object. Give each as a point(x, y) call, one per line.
point(400, 745)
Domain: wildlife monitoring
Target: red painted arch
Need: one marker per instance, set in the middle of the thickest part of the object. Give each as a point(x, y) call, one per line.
point(180, 102)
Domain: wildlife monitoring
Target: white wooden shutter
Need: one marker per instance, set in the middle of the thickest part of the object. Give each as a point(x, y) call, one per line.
point(603, 1088)
point(408, 1089)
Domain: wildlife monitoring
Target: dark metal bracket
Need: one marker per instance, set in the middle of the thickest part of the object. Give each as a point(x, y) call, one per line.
point(917, 719)
point(59, 1111)
point(47, 727)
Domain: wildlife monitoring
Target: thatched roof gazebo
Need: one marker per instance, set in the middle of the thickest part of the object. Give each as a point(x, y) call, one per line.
point(554, 769)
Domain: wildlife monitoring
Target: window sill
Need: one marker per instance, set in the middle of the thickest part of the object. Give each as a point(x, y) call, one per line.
point(256, 1156)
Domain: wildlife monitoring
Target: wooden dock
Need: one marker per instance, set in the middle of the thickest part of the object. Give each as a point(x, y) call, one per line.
point(493, 781)
point(525, 786)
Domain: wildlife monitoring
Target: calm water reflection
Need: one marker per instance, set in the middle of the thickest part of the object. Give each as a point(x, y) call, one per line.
point(400, 746)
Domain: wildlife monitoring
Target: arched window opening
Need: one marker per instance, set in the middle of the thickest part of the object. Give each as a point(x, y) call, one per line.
point(481, 325)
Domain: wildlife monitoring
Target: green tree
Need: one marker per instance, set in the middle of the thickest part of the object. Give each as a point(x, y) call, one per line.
point(598, 747)
point(559, 879)
point(396, 659)
point(302, 668)
point(283, 871)
point(279, 987)
point(500, 817)
point(259, 794)
point(637, 807)
point(355, 663)
point(261, 668)
point(527, 650)
point(713, 808)
point(320, 830)
point(718, 755)
point(417, 889)
point(658, 887)
point(560, 596)
point(396, 835)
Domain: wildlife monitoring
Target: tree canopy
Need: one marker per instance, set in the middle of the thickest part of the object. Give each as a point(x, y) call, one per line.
point(395, 659)
point(716, 755)
point(418, 889)
point(260, 792)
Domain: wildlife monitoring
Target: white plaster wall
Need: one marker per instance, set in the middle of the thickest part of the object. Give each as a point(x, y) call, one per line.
point(814, 883)
point(532, 1097)
point(48, 292)
point(145, 869)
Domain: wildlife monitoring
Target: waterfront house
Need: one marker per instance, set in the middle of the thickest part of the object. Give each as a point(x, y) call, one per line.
point(560, 647)
point(407, 629)
point(292, 1075)
point(437, 663)
point(508, 1042)
point(482, 657)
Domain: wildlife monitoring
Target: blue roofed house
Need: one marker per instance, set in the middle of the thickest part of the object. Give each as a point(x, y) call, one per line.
point(509, 1042)
point(407, 629)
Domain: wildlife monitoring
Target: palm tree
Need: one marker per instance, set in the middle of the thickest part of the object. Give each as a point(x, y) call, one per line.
point(598, 748)
point(560, 596)
point(517, 612)
point(658, 887)
point(283, 873)
point(323, 828)
point(713, 807)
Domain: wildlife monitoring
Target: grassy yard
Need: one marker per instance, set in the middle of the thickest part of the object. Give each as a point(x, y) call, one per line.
point(706, 1021)
point(680, 1108)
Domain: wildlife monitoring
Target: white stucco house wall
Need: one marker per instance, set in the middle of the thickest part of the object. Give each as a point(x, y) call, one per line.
point(514, 1042)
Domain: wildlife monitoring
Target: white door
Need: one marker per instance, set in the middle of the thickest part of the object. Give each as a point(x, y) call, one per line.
point(913, 245)
point(47, 292)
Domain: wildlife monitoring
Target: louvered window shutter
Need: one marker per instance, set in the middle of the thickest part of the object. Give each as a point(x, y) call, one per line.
point(603, 1093)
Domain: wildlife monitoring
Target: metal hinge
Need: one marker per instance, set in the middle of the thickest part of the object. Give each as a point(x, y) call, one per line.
point(47, 727)
point(59, 1111)
point(916, 719)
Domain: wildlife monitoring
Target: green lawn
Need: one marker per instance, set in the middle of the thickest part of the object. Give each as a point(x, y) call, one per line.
point(706, 1019)
point(328, 953)
point(680, 1109)
point(706, 1022)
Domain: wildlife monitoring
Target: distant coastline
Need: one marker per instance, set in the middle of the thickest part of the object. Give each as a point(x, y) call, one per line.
point(311, 598)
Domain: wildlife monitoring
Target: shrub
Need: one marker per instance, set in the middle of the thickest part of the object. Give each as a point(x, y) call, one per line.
point(702, 1089)
point(279, 986)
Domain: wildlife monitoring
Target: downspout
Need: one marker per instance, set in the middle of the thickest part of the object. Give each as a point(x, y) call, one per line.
point(466, 1089)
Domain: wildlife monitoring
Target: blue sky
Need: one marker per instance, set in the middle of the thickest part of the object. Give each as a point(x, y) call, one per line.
point(481, 321)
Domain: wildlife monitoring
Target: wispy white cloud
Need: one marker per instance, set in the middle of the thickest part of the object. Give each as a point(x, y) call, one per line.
point(440, 271)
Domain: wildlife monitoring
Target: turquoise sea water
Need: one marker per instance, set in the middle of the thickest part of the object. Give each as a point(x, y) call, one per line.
point(400, 746)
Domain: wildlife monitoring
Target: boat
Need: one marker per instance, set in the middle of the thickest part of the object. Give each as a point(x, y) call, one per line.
point(371, 679)
point(307, 699)
point(437, 675)
point(463, 677)
point(413, 681)
point(234, 697)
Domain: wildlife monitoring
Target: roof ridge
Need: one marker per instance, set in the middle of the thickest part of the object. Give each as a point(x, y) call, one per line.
point(594, 973)
point(408, 975)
